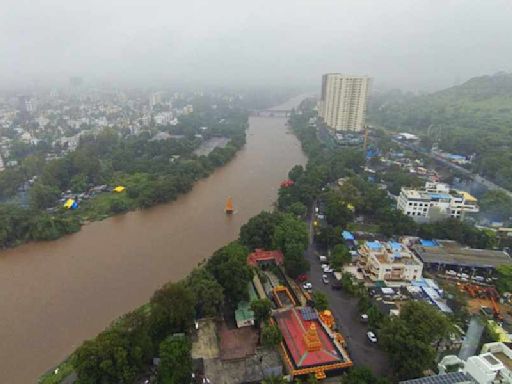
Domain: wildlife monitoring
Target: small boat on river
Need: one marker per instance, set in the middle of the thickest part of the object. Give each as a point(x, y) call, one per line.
point(229, 206)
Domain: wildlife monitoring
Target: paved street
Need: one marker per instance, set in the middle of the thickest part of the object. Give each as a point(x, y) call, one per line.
point(344, 308)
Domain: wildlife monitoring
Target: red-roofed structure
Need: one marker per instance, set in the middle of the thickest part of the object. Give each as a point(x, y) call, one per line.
point(259, 256)
point(287, 183)
point(307, 346)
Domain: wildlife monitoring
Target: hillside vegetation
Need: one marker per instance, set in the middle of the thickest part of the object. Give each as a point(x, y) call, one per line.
point(472, 118)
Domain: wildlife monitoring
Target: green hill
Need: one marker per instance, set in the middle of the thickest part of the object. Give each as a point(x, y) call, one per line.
point(471, 118)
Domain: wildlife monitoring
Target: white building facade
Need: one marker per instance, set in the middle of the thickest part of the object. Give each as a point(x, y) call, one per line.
point(344, 101)
point(389, 261)
point(434, 202)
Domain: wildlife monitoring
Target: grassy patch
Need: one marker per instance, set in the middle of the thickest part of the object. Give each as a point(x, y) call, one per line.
point(101, 206)
point(65, 369)
point(372, 228)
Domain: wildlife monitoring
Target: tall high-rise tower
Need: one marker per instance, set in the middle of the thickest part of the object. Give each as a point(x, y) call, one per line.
point(343, 101)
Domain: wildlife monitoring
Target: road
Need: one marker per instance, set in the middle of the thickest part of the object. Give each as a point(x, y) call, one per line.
point(344, 309)
point(479, 179)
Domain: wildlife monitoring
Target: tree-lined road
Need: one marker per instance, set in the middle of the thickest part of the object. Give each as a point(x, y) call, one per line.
point(344, 309)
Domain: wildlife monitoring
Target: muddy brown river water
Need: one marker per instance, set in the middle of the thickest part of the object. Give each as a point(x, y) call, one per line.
point(54, 295)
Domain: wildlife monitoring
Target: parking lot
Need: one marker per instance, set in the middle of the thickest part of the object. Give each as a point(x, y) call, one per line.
point(344, 309)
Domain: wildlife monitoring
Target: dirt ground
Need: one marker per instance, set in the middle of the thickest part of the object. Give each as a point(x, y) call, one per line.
point(206, 344)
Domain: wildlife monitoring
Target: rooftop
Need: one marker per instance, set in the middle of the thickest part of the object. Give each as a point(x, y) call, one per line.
point(259, 255)
point(390, 252)
point(452, 253)
point(293, 327)
point(449, 378)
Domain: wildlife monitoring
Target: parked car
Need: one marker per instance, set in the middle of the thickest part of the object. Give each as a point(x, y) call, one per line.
point(307, 286)
point(302, 278)
point(372, 337)
point(364, 318)
point(325, 279)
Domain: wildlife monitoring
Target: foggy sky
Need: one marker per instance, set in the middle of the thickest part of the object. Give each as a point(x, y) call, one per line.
point(409, 44)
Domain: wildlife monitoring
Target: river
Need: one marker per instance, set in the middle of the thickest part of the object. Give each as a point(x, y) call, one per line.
point(54, 295)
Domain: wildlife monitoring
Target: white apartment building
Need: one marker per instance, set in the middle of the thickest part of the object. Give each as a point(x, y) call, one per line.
point(391, 262)
point(343, 101)
point(435, 201)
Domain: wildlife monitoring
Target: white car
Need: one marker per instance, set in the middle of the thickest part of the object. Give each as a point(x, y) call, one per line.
point(307, 286)
point(372, 337)
point(364, 318)
point(325, 279)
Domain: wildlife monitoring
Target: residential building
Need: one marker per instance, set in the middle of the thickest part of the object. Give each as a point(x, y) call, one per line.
point(391, 262)
point(343, 101)
point(434, 202)
point(492, 366)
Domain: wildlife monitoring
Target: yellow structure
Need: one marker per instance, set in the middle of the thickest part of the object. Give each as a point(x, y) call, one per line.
point(327, 318)
point(312, 340)
point(69, 203)
point(281, 288)
point(119, 189)
point(503, 336)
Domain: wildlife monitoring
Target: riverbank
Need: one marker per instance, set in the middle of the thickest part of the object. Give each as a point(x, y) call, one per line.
point(54, 295)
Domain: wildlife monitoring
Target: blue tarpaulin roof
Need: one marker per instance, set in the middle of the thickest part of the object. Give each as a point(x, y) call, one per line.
point(429, 243)
point(395, 246)
point(347, 235)
point(374, 245)
point(440, 196)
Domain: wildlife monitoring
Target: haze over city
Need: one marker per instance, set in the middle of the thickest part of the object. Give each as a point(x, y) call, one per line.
point(413, 45)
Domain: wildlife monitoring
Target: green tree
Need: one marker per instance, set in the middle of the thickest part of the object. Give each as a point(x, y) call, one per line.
point(297, 209)
point(43, 196)
point(229, 267)
point(410, 338)
point(209, 294)
point(116, 355)
point(320, 301)
point(328, 236)
point(340, 256)
point(496, 205)
point(270, 335)
point(362, 375)
point(296, 172)
point(337, 210)
point(172, 310)
point(259, 230)
point(504, 282)
point(175, 361)
point(291, 237)
point(262, 309)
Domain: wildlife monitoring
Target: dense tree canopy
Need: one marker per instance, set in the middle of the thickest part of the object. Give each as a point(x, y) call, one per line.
point(291, 237)
point(172, 310)
point(410, 338)
point(117, 355)
point(471, 118)
point(362, 375)
point(258, 232)
point(229, 267)
point(209, 294)
point(175, 361)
